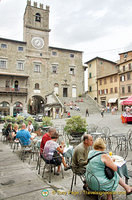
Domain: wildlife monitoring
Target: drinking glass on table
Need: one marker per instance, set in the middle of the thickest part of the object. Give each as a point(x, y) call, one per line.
point(110, 153)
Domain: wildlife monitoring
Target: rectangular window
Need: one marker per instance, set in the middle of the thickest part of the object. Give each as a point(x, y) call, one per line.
point(71, 55)
point(20, 66)
point(123, 90)
point(105, 82)
point(129, 66)
point(111, 90)
point(111, 79)
point(72, 70)
point(90, 88)
point(100, 92)
point(3, 46)
point(129, 89)
point(90, 65)
point(37, 68)
point(90, 75)
point(107, 91)
point(123, 68)
point(20, 48)
point(125, 55)
point(115, 78)
point(54, 69)
point(122, 78)
point(100, 82)
point(3, 64)
point(54, 53)
point(115, 89)
point(7, 84)
point(128, 76)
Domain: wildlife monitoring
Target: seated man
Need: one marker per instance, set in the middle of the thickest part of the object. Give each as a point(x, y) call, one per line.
point(80, 155)
point(46, 137)
point(24, 136)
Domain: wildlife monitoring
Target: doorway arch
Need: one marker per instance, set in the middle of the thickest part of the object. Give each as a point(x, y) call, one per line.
point(17, 108)
point(4, 108)
point(36, 105)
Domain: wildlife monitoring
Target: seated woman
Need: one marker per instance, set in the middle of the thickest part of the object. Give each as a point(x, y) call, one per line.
point(14, 131)
point(8, 132)
point(97, 165)
point(52, 151)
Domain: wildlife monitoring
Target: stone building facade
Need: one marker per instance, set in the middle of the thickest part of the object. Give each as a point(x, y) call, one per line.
point(125, 75)
point(108, 90)
point(31, 69)
point(98, 69)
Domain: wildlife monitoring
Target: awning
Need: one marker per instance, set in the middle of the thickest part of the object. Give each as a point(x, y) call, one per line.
point(112, 100)
point(47, 109)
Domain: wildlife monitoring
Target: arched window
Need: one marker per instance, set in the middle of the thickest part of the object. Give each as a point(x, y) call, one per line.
point(38, 17)
point(36, 86)
point(4, 108)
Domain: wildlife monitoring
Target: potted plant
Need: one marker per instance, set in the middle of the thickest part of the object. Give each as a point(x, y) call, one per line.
point(75, 126)
point(8, 118)
point(20, 119)
point(46, 121)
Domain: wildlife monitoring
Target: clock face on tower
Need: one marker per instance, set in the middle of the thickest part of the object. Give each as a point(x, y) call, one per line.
point(37, 42)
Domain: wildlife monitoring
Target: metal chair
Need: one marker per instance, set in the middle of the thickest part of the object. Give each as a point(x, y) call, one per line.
point(121, 150)
point(92, 180)
point(74, 178)
point(99, 130)
point(25, 147)
point(106, 131)
point(50, 166)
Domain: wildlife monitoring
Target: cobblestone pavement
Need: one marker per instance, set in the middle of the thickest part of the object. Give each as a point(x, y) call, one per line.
point(20, 180)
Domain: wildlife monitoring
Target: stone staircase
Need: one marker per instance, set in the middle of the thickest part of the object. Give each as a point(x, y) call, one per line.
point(82, 102)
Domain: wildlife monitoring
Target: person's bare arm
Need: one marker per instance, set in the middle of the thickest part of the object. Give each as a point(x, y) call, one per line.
point(108, 162)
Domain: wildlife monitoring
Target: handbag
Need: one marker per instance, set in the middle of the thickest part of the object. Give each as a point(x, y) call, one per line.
point(57, 158)
point(108, 171)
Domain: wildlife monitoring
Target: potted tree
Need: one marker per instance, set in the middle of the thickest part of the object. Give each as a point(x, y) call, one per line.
point(46, 121)
point(75, 126)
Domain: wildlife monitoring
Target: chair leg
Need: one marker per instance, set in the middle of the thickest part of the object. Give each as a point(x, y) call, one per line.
point(50, 173)
point(44, 170)
point(75, 179)
point(72, 182)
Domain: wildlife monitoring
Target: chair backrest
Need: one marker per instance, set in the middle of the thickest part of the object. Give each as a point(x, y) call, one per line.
point(129, 134)
point(92, 180)
point(122, 150)
point(106, 131)
point(99, 130)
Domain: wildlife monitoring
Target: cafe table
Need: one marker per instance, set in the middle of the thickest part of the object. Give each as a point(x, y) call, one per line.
point(97, 134)
point(68, 152)
point(121, 167)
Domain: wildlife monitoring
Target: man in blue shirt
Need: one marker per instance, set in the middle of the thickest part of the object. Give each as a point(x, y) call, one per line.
point(24, 136)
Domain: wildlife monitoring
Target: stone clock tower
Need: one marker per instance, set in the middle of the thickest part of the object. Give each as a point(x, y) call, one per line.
point(36, 29)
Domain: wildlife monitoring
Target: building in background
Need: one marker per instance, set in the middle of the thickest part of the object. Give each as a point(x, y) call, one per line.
point(125, 75)
point(31, 69)
point(99, 68)
point(108, 90)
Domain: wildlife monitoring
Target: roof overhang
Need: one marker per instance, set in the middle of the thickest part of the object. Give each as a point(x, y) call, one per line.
point(13, 74)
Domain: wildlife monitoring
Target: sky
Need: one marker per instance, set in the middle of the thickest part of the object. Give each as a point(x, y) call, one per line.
point(100, 28)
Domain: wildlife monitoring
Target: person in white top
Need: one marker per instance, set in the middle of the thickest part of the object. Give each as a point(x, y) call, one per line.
point(30, 126)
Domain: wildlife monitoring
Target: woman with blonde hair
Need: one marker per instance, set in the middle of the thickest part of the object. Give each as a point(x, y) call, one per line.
point(14, 131)
point(96, 166)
